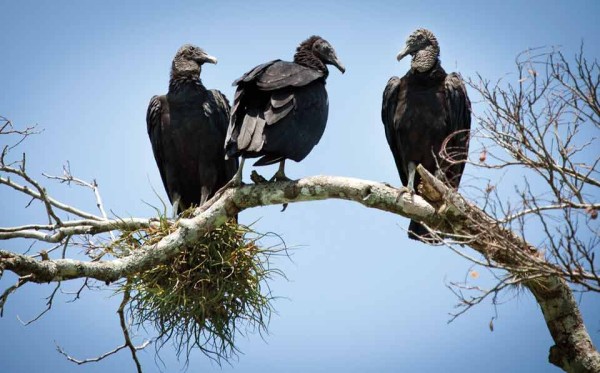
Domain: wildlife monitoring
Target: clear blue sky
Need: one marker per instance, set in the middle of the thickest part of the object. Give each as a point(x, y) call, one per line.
point(360, 296)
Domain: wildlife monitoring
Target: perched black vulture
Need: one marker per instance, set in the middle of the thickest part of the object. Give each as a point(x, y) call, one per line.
point(280, 108)
point(187, 129)
point(420, 111)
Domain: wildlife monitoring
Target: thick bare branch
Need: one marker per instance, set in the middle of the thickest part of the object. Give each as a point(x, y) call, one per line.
point(232, 201)
point(573, 351)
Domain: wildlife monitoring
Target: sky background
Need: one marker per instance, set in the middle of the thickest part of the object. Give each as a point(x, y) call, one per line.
point(360, 297)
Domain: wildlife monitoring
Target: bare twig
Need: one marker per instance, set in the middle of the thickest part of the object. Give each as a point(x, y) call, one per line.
point(71, 228)
point(125, 329)
point(68, 178)
point(36, 195)
point(100, 357)
point(547, 127)
point(11, 289)
point(49, 301)
point(127, 344)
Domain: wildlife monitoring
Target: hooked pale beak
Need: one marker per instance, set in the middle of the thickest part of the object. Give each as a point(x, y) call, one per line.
point(337, 63)
point(208, 58)
point(405, 52)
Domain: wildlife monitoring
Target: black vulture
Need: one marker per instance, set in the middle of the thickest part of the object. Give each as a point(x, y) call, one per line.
point(187, 129)
point(425, 112)
point(280, 108)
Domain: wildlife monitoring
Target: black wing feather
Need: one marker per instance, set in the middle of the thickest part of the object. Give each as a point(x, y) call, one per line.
point(279, 99)
point(252, 74)
point(388, 113)
point(294, 135)
point(283, 74)
point(274, 114)
point(221, 105)
point(266, 95)
point(459, 123)
point(221, 116)
point(247, 129)
point(158, 116)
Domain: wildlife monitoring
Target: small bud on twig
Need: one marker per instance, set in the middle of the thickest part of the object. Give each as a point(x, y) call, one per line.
point(482, 156)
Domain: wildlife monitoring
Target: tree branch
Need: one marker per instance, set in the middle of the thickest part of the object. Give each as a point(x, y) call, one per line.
point(229, 203)
point(51, 201)
point(448, 213)
point(573, 350)
point(73, 227)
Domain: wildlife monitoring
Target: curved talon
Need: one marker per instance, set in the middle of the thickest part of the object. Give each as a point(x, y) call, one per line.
point(281, 177)
point(280, 174)
point(403, 190)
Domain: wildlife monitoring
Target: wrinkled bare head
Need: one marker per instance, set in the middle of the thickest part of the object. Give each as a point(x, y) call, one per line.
point(319, 48)
point(188, 61)
point(423, 46)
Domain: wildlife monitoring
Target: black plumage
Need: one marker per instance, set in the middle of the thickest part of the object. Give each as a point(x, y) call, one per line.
point(187, 129)
point(280, 108)
point(425, 112)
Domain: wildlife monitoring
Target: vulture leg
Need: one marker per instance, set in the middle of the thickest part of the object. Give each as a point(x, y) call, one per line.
point(204, 193)
point(411, 176)
point(440, 175)
point(280, 174)
point(236, 181)
point(176, 201)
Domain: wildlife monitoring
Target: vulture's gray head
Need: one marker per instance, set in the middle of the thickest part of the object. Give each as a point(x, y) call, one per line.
point(188, 62)
point(423, 46)
point(316, 46)
point(322, 49)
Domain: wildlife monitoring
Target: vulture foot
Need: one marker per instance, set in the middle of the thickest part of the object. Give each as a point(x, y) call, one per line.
point(403, 190)
point(280, 174)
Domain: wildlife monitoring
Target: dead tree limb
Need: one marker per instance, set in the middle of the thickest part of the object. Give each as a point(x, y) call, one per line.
point(447, 213)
